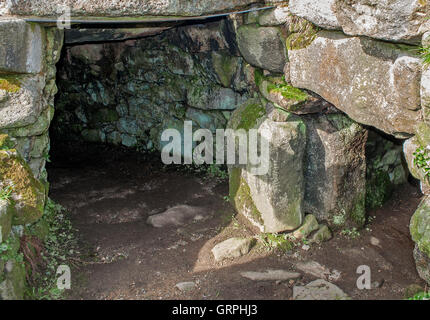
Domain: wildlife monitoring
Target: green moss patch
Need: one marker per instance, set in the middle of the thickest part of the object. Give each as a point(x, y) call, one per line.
point(28, 193)
point(10, 83)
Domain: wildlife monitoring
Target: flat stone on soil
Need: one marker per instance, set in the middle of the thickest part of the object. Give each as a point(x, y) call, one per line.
point(232, 248)
point(175, 216)
point(185, 286)
point(271, 275)
point(319, 290)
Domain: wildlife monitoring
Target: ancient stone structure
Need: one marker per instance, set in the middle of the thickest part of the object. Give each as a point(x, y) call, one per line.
point(310, 76)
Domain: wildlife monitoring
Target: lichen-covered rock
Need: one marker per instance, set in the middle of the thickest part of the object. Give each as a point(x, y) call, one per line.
point(25, 92)
point(12, 275)
point(310, 224)
point(28, 196)
point(420, 226)
point(321, 235)
point(274, 201)
point(335, 171)
point(374, 83)
point(422, 262)
point(213, 98)
point(21, 47)
point(318, 12)
point(276, 90)
point(225, 67)
point(396, 20)
point(262, 47)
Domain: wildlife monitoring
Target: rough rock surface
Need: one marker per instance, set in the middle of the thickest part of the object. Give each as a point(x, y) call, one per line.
point(271, 275)
point(109, 8)
point(23, 91)
point(274, 201)
point(232, 248)
point(262, 47)
point(176, 216)
point(335, 171)
point(309, 225)
point(396, 20)
point(422, 262)
point(375, 83)
point(420, 226)
point(318, 12)
point(21, 47)
point(28, 194)
point(319, 290)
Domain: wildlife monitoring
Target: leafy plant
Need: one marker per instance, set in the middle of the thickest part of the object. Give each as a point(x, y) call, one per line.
point(277, 241)
point(422, 160)
point(421, 296)
point(351, 233)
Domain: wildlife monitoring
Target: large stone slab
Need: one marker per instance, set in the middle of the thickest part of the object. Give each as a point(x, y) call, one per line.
point(109, 8)
point(274, 201)
point(21, 47)
point(375, 83)
point(318, 12)
point(262, 47)
point(335, 169)
point(392, 20)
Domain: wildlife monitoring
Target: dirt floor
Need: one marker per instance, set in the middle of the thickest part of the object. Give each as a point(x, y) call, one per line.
point(110, 198)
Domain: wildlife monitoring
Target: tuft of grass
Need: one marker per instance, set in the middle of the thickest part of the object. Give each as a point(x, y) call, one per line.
point(425, 55)
point(6, 193)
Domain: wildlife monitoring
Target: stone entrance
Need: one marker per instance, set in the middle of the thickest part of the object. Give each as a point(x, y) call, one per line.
point(320, 96)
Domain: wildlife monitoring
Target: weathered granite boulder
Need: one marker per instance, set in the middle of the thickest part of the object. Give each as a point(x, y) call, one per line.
point(262, 47)
point(373, 82)
point(396, 20)
point(335, 171)
point(273, 201)
point(25, 92)
point(21, 47)
point(318, 12)
point(28, 195)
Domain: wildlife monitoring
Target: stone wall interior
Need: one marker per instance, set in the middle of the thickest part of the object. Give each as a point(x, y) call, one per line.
point(337, 88)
